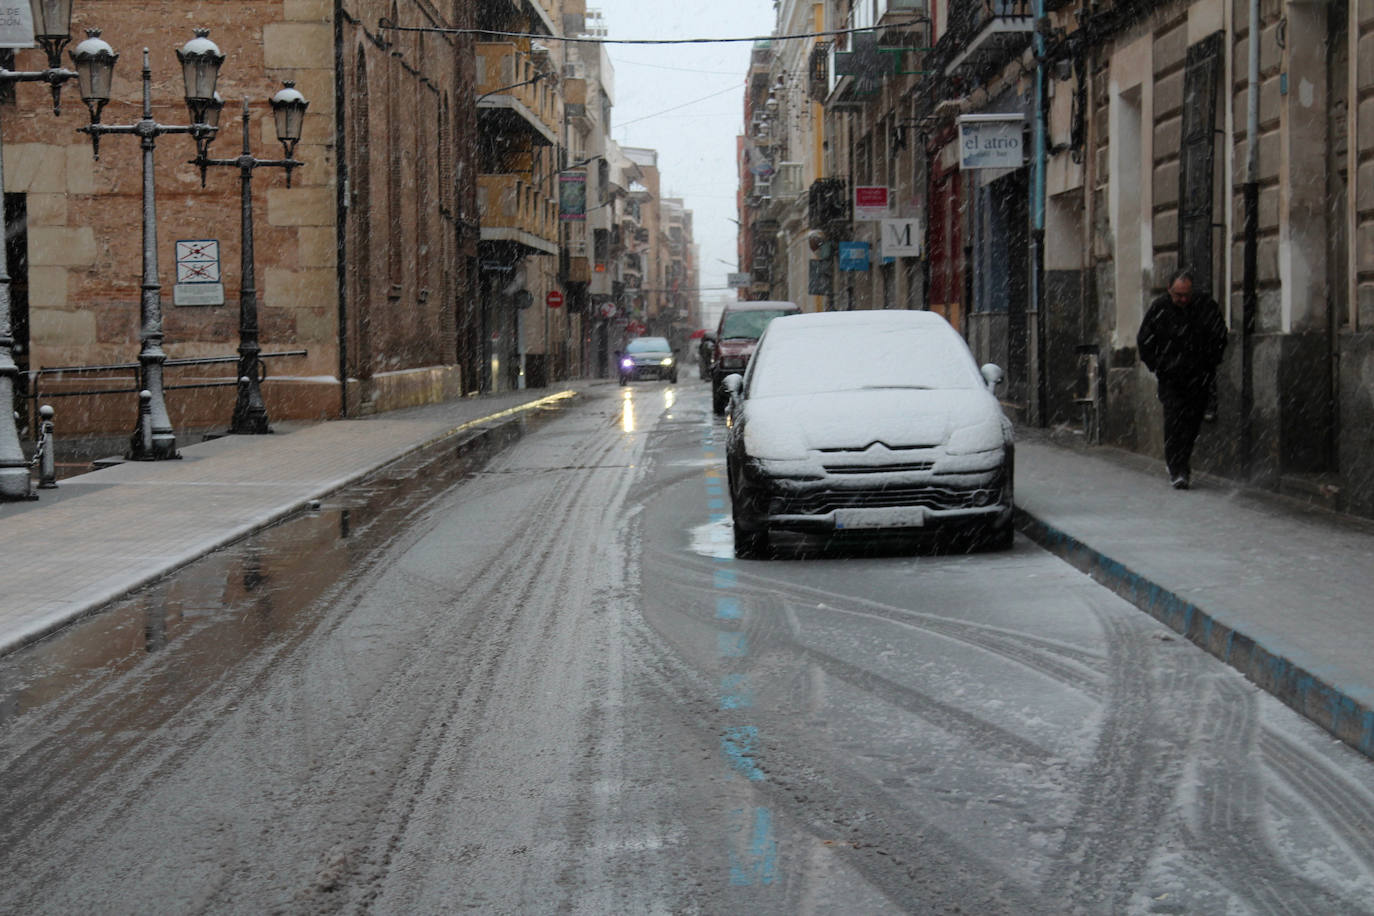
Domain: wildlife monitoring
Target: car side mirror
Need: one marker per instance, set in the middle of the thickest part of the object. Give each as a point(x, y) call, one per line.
point(992, 375)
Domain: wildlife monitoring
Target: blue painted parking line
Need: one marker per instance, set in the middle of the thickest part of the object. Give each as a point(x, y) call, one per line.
point(754, 852)
point(759, 864)
point(731, 645)
point(735, 692)
point(740, 744)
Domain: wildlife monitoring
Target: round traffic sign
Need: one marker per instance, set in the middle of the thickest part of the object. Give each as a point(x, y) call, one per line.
point(554, 299)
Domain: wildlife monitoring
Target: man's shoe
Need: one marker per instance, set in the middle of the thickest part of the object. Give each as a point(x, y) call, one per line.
point(1180, 483)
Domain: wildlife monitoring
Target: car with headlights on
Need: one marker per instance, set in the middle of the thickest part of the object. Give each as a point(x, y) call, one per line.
point(736, 336)
point(646, 357)
point(868, 423)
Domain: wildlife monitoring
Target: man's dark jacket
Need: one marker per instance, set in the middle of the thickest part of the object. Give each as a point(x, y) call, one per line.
point(1182, 346)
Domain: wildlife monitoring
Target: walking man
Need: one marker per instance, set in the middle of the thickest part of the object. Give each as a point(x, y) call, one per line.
point(1181, 341)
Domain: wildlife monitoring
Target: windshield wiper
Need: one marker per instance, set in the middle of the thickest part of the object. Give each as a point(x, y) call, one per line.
point(897, 387)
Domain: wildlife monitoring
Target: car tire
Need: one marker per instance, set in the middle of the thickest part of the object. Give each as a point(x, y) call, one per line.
point(750, 545)
point(1000, 539)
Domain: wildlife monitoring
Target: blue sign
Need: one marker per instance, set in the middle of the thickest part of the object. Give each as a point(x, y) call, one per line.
point(853, 256)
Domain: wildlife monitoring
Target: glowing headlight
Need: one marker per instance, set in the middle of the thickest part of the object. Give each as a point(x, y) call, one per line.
point(627, 364)
point(666, 362)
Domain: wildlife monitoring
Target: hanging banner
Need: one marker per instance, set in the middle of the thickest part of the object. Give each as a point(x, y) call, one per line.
point(16, 24)
point(853, 256)
point(572, 196)
point(991, 141)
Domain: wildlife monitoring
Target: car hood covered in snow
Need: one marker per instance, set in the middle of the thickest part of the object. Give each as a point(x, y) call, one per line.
point(792, 426)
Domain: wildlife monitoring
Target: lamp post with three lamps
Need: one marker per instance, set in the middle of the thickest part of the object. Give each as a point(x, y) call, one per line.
point(153, 438)
point(288, 113)
point(52, 31)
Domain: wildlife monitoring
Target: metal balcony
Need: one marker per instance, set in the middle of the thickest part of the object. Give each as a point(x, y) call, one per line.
point(513, 210)
point(985, 34)
point(506, 101)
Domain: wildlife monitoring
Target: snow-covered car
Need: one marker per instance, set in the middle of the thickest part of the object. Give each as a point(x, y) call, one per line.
point(648, 357)
point(868, 422)
point(741, 324)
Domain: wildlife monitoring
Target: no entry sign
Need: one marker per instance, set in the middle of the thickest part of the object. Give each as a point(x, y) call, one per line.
point(554, 299)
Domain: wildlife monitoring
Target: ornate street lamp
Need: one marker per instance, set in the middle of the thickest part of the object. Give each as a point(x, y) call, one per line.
point(200, 61)
point(52, 28)
point(288, 111)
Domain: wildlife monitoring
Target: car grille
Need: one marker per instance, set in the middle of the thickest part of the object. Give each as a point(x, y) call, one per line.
point(928, 497)
point(879, 468)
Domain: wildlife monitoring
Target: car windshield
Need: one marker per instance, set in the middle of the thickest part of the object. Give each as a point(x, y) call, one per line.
point(749, 323)
point(820, 359)
point(647, 345)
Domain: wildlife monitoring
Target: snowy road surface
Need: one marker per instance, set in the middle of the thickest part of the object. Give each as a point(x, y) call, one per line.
point(540, 683)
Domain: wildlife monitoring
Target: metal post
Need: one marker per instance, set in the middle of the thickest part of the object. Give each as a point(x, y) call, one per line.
point(1037, 206)
point(47, 461)
point(250, 412)
point(1250, 256)
point(14, 468)
point(151, 356)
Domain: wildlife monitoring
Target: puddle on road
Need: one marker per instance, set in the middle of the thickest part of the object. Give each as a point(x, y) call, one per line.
point(262, 592)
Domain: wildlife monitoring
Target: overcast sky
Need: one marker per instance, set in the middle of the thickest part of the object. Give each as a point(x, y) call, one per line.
point(696, 142)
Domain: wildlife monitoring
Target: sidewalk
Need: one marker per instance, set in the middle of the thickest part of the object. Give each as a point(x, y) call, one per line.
point(1280, 592)
point(103, 534)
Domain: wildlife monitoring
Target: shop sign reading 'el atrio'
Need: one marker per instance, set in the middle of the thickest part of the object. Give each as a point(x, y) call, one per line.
point(991, 141)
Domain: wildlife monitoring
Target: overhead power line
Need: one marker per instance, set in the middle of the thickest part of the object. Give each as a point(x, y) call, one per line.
point(386, 24)
point(683, 105)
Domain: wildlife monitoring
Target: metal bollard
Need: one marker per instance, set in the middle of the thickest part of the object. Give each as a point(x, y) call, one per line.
point(47, 448)
point(145, 420)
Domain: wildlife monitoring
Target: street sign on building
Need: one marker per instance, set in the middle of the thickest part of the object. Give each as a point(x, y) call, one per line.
point(991, 141)
point(871, 203)
point(901, 238)
point(738, 281)
point(818, 277)
point(198, 274)
point(16, 24)
point(853, 256)
point(554, 299)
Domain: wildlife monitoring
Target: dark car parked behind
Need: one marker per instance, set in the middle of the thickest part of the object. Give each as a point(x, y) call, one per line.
point(741, 326)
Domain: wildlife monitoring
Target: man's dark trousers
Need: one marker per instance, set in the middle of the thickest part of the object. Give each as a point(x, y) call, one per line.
point(1183, 410)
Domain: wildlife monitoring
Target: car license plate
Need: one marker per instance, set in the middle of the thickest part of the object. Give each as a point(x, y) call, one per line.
point(890, 517)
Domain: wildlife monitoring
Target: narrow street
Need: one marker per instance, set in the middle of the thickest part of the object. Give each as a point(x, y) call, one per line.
point(535, 680)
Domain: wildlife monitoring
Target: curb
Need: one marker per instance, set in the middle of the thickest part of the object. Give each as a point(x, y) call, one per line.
point(1307, 694)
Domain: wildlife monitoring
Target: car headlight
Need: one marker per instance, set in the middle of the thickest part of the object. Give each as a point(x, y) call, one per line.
point(627, 364)
point(666, 362)
point(985, 436)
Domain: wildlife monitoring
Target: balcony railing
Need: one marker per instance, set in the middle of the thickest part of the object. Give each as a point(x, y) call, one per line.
point(515, 210)
point(503, 74)
point(984, 34)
